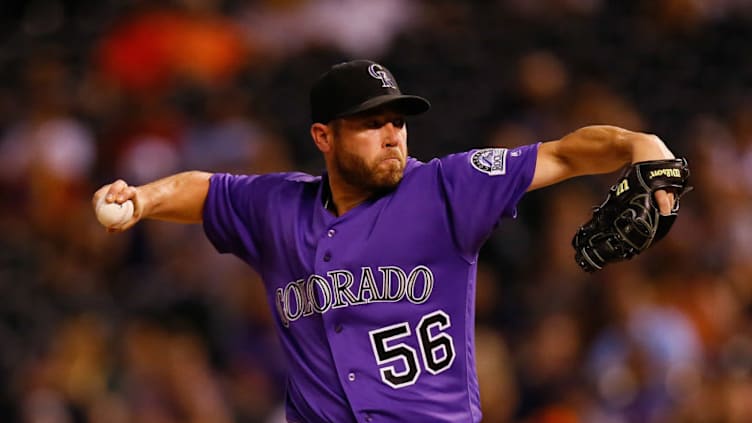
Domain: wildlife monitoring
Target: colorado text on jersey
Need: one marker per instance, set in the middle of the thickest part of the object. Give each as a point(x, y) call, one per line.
point(319, 294)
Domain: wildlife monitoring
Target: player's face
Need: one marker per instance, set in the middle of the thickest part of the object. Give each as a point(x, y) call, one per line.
point(370, 150)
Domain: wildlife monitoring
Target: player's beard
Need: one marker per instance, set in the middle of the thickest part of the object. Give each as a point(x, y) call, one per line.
point(376, 177)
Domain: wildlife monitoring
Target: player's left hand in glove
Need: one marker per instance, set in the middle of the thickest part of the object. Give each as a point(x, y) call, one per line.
point(629, 220)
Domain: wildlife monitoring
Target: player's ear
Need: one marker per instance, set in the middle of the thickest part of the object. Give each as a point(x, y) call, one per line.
point(322, 136)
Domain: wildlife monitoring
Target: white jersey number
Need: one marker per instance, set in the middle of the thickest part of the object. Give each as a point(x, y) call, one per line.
point(400, 361)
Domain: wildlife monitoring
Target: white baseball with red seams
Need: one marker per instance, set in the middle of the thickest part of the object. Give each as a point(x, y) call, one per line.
point(113, 214)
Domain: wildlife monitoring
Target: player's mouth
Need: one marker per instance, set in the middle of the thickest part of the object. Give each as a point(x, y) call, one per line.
point(392, 159)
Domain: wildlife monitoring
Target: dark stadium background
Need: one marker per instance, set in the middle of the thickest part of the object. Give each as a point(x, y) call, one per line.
point(152, 326)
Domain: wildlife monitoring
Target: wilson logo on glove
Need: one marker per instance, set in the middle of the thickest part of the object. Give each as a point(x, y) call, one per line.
point(671, 173)
point(623, 186)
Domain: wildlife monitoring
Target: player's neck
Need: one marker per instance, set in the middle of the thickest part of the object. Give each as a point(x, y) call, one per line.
point(343, 197)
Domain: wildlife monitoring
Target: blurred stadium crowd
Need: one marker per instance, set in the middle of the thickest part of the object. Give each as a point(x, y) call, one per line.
point(153, 326)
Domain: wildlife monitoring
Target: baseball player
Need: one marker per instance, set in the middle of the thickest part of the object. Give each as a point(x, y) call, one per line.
point(370, 268)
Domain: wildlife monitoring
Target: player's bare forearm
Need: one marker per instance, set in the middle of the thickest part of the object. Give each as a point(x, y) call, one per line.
point(176, 198)
point(594, 150)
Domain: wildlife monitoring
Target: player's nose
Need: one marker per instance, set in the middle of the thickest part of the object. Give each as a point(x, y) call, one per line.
point(390, 135)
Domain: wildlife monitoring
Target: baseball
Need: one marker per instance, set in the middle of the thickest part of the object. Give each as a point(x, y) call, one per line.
point(114, 214)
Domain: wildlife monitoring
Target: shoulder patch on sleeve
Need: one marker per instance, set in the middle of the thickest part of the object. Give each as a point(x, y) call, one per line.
point(492, 161)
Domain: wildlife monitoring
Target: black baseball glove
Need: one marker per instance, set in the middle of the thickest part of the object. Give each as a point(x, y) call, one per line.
point(629, 221)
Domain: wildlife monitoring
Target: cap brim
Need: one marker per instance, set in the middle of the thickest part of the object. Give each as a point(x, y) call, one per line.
point(406, 104)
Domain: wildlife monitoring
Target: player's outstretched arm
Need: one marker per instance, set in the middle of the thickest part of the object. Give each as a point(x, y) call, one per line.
point(598, 149)
point(176, 198)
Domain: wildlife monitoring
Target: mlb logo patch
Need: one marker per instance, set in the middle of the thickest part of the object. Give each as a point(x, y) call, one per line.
point(491, 161)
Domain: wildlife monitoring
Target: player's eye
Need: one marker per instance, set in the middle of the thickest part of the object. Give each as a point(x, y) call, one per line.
point(398, 123)
point(374, 124)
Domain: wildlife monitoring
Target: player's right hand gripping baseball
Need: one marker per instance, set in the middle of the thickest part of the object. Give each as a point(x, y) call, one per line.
point(119, 192)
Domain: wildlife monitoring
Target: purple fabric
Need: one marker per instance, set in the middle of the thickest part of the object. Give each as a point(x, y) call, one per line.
point(374, 309)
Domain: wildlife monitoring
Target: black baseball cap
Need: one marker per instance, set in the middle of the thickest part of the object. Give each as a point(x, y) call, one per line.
point(357, 86)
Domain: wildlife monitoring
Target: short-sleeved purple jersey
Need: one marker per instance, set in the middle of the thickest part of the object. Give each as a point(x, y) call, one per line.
point(375, 309)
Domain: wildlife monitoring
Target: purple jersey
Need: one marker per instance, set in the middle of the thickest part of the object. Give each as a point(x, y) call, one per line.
point(375, 309)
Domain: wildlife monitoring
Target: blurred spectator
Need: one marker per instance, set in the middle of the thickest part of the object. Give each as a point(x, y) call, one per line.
point(499, 396)
point(222, 136)
point(47, 156)
point(649, 361)
point(356, 27)
point(151, 49)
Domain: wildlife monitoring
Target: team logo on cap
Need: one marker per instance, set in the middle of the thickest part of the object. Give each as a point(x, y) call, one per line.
point(378, 72)
point(492, 161)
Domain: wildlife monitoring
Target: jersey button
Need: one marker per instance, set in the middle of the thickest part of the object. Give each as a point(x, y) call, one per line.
point(351, 377)
point(327, 256)
point(338, 328)
point(330, 233)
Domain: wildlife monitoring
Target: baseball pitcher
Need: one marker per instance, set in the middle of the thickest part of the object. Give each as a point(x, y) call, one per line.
point(370, 267)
